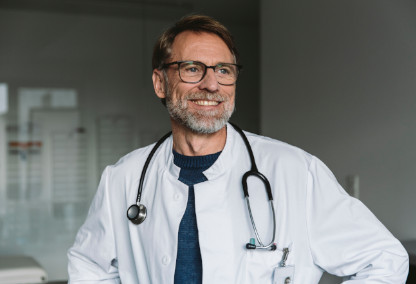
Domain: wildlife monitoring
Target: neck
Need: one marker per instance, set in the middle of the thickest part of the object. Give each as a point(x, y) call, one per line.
point(189, 143)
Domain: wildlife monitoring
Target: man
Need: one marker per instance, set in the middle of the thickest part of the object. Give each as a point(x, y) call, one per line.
point(197, 228)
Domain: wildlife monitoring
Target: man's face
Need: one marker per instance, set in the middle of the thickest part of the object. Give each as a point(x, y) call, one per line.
point(206, 106)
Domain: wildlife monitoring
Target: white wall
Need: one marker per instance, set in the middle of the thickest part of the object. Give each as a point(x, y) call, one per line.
point(339, 80)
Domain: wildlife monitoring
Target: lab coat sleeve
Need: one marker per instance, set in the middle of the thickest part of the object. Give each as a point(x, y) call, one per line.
point(346, 239)
point(92, 258)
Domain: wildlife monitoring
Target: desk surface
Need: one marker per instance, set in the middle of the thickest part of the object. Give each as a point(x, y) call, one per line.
point(21, 269)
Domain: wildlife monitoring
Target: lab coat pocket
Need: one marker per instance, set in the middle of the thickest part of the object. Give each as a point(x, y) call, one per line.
point(260, 265)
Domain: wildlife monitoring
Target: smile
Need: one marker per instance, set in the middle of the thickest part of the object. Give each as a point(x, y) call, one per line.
point(206, 103)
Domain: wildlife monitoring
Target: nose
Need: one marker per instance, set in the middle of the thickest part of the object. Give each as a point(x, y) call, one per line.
point(209, 82)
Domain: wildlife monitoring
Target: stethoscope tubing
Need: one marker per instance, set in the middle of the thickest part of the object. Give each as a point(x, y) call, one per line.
point(137, 212)
point(146, 165)
point(262, 246)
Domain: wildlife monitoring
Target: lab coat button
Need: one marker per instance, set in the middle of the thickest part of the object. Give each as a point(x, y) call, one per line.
point(177, 196)
point(165, 260)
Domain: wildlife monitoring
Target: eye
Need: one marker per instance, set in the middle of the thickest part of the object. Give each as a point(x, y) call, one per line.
point(224, 70)
point(191, 68)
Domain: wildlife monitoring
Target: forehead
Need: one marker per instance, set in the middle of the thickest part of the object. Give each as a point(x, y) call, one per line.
point(200, 46)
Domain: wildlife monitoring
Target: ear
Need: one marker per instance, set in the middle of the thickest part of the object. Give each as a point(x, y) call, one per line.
point(159, 83)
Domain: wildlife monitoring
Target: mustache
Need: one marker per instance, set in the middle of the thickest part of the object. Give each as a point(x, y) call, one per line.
point(206, 96)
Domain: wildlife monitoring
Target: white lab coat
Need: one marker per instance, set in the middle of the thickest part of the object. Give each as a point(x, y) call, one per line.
point(324, 228)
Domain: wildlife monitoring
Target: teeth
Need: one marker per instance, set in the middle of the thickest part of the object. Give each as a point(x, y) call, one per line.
point(206, 103)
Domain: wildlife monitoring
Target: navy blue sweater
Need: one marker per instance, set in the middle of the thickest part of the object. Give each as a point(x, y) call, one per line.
point(188, 262)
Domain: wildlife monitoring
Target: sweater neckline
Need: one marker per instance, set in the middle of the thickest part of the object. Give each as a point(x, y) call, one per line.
point(194, 162)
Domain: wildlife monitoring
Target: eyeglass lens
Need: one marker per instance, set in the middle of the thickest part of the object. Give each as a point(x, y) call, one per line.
point(193, 72)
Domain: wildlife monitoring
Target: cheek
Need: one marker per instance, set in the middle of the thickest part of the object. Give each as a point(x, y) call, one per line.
point(178, 91)
point(172, 93)
point(183, 92)
point(231, 96)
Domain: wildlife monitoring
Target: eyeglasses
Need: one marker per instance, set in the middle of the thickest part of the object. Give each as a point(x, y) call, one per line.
point(194, 71)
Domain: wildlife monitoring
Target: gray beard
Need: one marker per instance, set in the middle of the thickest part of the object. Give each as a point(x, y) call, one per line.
point(203, 122)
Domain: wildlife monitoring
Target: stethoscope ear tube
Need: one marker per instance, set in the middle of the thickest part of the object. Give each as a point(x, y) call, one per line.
point(271, 245)
point(259, 176)
point(255, 172)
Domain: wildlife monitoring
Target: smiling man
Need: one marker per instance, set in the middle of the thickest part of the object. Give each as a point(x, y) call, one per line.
point(218, 205)
point(199, 93)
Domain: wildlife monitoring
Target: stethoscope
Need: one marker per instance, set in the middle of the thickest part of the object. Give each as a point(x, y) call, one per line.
point(137, 212)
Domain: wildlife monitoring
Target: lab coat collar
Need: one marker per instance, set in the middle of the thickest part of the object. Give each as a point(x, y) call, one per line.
point(220, 166)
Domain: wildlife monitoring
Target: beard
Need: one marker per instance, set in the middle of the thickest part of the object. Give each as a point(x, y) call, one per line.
point(200, 121)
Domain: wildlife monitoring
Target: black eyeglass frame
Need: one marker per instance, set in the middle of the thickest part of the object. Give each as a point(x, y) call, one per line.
point(239, 68)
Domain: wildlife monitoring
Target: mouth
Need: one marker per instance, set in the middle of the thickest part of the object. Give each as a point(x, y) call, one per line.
point(206, 102)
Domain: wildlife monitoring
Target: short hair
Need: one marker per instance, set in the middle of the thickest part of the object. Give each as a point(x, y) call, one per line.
point(196, 23)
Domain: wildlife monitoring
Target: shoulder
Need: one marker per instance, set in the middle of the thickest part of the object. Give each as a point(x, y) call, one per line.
point(132, 162)
point(275, 150)
point(277, 154)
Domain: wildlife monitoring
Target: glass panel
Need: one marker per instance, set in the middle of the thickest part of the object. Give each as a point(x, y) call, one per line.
point(52, 153)
point(44, 174)
point(115, 139)
point(71, 81)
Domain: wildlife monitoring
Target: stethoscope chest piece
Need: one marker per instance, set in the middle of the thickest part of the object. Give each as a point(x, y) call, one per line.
point(137, 213)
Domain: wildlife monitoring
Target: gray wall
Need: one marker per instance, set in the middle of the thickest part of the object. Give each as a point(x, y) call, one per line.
point(339, 80)
point(106, 57)
point(105, 54)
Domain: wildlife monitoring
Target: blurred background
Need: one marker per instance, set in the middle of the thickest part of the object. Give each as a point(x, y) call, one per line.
point(336, 78)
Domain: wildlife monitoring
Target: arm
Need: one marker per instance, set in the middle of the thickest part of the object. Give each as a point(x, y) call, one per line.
point(346, 239)
point(92, 258)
